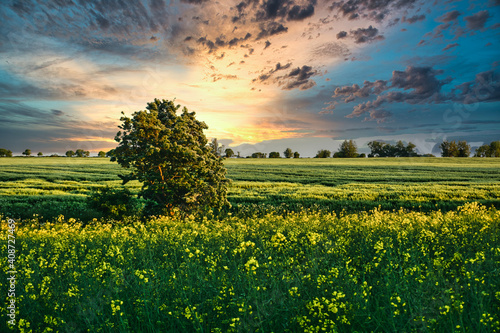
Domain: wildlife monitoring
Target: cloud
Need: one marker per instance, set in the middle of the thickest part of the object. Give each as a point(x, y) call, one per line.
point(298, 13)
point(375, 10)
point(413, 86)
point(270, 29)
point(478, 20)
point(413, 19)
point(341, 35)
point(450, 46)
point(365, 35)
point(299, 78)
point(484, 88)
point(449, 16)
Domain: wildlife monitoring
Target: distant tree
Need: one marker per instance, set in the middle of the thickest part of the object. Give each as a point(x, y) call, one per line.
point(296, 154)
point(348, 149)
point(463, 149)
point(82, 153)
point(216, 148)
point(70, 153)
point(449, 149)
point(110, 153)
point(54, 155)
point(5, 153)
point(377, 148)
point(362, 155)
point(288, 153)
point(323, 153)
point(483, 151)
point(239, 155)
point(40, 153)
point(229, 152)
point(495, 149)
point(102, 153)
point(274, 154)
point(27, 152)
point(258, 155)
point(410, 150)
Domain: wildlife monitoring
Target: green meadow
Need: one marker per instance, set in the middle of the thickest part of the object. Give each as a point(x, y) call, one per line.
point(309, 245)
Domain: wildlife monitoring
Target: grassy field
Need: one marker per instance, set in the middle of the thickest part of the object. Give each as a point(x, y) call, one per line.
point(302, 250)
point(53, 186)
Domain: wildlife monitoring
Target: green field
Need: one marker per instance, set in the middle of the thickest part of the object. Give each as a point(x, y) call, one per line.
point(53, 186)
point(304, 248)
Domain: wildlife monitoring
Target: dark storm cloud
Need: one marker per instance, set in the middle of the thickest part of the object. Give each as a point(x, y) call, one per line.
point(375, 10)
point(342, 34)
point(485, 88)
point(478, 20)
point(420, 82)
point(275, 9)
point(365, 35)
point(299, 78)
point(270, 29)
point(298, 13)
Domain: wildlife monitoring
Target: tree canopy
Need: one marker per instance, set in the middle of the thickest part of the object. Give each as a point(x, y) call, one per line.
point(169, 155)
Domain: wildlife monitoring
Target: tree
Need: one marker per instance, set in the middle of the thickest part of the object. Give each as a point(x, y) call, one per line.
point(274, 154)
point(229, 152)
point(82, 153)
point(483, 151)
point(323, 153)
point(463, 149)
point(27, 152)
point(169, 155)
point(70, 153)
point(258, 155)
point(296, 154)
point(410, 150)
point(5, 153)
point(288, 153)
point(377, 148)
point(495, 149)
point(348, 149)
point(101, 154)
point(40, 153)
point(216, 148)
point(449, 149)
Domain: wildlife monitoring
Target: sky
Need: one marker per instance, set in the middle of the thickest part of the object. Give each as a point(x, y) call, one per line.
point(263, 74)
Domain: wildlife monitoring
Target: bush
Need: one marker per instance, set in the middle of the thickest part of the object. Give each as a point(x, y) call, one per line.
point(114, 203)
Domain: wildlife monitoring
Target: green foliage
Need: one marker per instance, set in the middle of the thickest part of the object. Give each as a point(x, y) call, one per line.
point(216, 148)
point(463, 149)
point(27, 152)
point(382, 149)
point(82, 153)
point(101, 154)
point(296, 154)
point(348, 149)
point(323, 153)
point(303, 272)
point(259, 155)
point(229, 152)
point(448, 149)
point(114, 203)
point(40, 154)
point(491, 150)
point(288, 153)
point(70, 153)
point(5, 153)
point(274, 154)
point(169, 155)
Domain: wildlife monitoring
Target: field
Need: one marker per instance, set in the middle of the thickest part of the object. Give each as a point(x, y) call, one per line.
point(304, 248)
